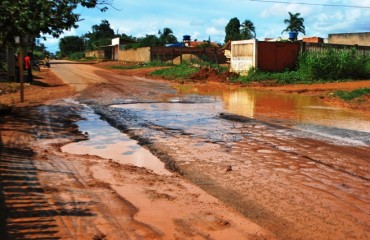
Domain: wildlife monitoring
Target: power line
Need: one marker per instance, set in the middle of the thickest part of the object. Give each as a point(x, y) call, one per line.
point(312, 4)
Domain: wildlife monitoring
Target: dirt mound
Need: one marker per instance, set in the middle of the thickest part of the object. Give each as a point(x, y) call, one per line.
point(185, 57)
point(212, 75)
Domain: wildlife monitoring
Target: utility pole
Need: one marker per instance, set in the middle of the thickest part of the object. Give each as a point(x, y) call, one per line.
point(18, 41)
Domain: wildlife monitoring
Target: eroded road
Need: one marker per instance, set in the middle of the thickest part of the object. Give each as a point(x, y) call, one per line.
point(285, 183)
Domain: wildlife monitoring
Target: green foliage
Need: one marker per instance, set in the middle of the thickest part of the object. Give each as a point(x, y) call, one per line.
point(286, 77)
point(236, 31)
point(166, 36)
point(143, 65)
point(295, 23)
point(334, 64)
point(321, 66)
point(248, 30)
point(101, 35)
point(182, 71)
point(70, 44)
point(76, 56)
point(149, 41)
point(349, 95)
point(232, 30)
point(34, 17)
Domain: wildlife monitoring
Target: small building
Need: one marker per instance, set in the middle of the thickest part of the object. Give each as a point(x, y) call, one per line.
point(264, 55)
point(187, 42)
point(112, 51)
point(360, 39)
point(313, 40)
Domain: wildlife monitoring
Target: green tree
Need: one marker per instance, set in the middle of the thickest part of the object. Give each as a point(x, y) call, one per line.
point(71, 44)
point(167, 36)
point(126, 37)
point(295, 24)
point(149, 41)
point(248, 30)
point(232, 30)
point(101, 35)
point(34, 17)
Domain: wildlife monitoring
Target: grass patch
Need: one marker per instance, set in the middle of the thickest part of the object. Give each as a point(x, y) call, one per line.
point(327, 65)
point(182, 71)
point(349, 95)
point(142, 65)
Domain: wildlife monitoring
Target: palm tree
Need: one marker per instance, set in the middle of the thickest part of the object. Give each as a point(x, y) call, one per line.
point(167, 36)
point(295, 25)
point(248, 30)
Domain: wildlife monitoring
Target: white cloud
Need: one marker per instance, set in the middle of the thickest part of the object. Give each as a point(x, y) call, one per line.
point(281, 10)
point(214, 31)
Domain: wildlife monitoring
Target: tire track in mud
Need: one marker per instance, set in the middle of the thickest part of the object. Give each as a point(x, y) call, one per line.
point(80, 186)
point(172, 143)
point(277, 146)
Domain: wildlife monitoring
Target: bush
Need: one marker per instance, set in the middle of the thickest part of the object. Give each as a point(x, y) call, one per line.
point(320, 66)
point(349, 95)
point(182, 71)
point(331, 64)
point(76, 56)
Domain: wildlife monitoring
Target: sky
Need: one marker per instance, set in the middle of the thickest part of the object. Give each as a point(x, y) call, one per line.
point(204, 19)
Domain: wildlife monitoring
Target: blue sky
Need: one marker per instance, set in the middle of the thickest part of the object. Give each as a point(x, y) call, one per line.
point(207, 18)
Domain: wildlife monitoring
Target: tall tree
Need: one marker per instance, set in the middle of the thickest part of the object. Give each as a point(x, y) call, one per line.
point(166, 36)
point(34, 17)
point(150, 41)
point(295, 24)
point(101, 34)
point(71, 44)
point(232, 30)
point(248, 30)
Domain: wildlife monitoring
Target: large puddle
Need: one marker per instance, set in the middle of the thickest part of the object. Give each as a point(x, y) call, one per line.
point(287, 108)
point(196, 112)
point(109, 143)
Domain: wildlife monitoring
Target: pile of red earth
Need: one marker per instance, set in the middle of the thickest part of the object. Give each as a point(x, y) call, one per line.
point(212, 74)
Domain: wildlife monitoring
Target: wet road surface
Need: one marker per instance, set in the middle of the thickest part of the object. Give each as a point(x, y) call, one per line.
point(291, 164)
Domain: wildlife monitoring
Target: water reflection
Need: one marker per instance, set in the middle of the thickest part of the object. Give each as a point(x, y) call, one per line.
point(109, 143)
point(292, 109)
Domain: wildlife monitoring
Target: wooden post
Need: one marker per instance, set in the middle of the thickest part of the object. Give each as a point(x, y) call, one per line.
point(11, 63)
point(21, 77)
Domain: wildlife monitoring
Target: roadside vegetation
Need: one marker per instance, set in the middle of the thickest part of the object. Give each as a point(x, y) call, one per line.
point(142, 65)
point(189, 69)
point(321, 66)
point(350, 95)
point(181, 71)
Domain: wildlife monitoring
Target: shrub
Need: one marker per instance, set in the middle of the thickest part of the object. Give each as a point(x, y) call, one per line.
point(332, 64)
point(184, 70)
point(317, 66)
point(77, 56)
point(349, 95)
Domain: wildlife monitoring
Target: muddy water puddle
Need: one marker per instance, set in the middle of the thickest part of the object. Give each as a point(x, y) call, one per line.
point(109, 143)
point(197, 108)
point(289, 108)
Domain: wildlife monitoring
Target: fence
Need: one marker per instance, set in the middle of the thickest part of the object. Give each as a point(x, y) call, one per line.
point(135, 55)
point(175, 54)
point(267, 56)
point(95, 54)
point(243, 56)
point(277, 56)
point(321, 47)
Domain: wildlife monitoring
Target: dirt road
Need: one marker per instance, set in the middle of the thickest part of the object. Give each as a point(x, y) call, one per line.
point(231, 177)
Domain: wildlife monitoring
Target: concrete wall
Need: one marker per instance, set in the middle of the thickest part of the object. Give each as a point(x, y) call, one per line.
point(243, 56)
point(135, 55)
point(99, 54)
point(361, 39)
